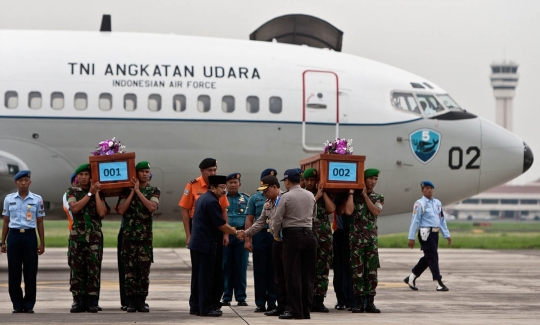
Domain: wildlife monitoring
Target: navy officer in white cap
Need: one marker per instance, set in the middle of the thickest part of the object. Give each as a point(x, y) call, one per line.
point(23, 212)
point(428, 217)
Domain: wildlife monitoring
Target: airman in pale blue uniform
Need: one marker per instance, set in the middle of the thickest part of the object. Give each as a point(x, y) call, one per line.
point(428, 217)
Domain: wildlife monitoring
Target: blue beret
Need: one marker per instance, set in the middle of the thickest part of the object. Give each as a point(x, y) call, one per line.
point(21, 174)
point(426, 183)
point(234, 176)
point(72, 177)
point(268, 171)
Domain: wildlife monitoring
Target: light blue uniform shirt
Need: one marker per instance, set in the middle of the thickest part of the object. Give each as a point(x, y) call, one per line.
point(256, 205)
point(237, 209)
point(428, 213)
point(17, 209)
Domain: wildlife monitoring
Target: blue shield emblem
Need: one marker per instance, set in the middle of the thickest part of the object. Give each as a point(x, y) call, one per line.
point(425, 144)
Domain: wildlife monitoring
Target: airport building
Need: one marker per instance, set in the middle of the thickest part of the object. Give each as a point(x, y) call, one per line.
point(518, 202)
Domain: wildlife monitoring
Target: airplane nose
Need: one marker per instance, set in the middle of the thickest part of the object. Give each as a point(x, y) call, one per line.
point(528, 157)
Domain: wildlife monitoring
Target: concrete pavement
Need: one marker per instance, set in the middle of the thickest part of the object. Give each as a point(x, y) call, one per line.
point(486, 287)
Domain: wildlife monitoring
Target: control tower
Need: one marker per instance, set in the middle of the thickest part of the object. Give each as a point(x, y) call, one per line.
point(504, 79)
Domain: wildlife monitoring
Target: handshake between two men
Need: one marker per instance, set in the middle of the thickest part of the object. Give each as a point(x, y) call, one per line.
point(241, 234)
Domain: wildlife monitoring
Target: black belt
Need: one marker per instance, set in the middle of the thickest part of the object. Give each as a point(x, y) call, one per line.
point(22, 231)
point(290, 230)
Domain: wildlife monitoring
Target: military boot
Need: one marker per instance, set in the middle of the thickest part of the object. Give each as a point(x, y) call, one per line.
point(359, 305)
point(133, 304)
point(78, 305)
point(318, 305)
point(141, 305)
point(370, 306)
point(91, 305)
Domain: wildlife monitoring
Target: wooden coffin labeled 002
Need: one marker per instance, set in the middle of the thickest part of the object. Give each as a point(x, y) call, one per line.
point(114, 172)
point(337, 172)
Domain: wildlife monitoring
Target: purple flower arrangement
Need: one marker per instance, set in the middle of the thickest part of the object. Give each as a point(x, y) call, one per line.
point(339, 147)
point(109, 147)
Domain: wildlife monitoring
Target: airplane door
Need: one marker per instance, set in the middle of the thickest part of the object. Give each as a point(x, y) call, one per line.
point(320, 118)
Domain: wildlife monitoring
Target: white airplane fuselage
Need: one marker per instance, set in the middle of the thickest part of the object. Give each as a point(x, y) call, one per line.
point(56, 88)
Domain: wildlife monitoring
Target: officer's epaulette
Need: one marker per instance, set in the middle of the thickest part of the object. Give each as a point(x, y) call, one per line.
point(245, 194)
point(193, 181)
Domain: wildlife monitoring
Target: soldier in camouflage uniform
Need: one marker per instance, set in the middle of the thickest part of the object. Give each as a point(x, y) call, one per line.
point(137, 205)
point(85, 251)
point(322, 229)
point(364, 208)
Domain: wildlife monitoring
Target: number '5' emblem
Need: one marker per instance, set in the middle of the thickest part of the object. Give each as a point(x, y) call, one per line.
point(425, 144)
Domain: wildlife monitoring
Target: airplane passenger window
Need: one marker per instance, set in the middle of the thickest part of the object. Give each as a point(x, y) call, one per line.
point(179, 103)
point(57, 100)
point(203, 103)
point(275, 105)
point(252, 104)
point(429, 104)
point(406, 102)
point(81, 101)
point(227, 104)
point(130, 102)
point(34, 99)
point(448, 101)
point(11, 99)
point(154, 102)
point(105, 102)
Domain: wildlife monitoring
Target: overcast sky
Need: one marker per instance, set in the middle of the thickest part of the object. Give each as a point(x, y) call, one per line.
point(449, 42)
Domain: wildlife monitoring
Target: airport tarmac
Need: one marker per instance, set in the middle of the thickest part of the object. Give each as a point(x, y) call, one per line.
point(486, 287)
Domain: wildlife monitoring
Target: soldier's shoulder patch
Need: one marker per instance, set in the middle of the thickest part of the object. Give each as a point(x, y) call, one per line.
point(186, 192)
point(193, 181)
point(4, 211)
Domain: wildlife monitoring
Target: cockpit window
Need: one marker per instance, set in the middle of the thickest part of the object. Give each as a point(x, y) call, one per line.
point(429, 104)
point(406, 102)
point(448, 101)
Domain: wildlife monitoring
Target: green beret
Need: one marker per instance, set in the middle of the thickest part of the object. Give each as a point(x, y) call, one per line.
point(82, 168)
point(310, 173)
point(371, 172)
point(142, 165)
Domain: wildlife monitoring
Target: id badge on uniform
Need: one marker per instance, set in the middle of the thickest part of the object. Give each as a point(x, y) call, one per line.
point(29, 213)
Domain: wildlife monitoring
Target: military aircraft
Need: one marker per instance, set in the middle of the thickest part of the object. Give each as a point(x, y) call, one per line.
point(175, 100)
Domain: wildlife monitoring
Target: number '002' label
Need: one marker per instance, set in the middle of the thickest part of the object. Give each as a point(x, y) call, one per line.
point(340, 171)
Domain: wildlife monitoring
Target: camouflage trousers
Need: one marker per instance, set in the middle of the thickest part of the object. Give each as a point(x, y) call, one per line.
point(137, 257)
point(84, 259)
point(364, 264)
point(324, 258)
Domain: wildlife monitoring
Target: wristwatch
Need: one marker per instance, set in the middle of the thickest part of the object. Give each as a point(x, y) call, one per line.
point(89, 194)
point(236, 232)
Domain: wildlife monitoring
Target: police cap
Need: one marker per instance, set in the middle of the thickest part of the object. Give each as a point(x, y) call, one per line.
point(268, 181)
point(21, 174)
point(292, 175)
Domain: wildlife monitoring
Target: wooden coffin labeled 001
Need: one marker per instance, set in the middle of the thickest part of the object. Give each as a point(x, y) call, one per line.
point(114, 172)
point(337, 172)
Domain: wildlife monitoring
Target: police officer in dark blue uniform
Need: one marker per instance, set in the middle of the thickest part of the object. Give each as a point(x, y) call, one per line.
point(206, 236)
point(23, 212)
point(235, 257)
point(261, 246)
